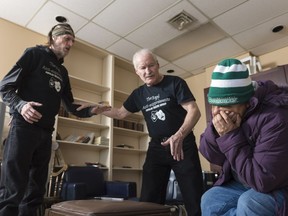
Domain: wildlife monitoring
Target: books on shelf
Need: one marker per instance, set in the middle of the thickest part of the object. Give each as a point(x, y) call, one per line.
point(91, 137)
point(125, 146)
point(101, 141)
point(87, 138)
point(128, 125)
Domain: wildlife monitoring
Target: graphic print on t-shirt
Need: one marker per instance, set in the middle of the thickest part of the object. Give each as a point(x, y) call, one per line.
point(153, 104)
point(54, 72)
point(53, 83)
point(158, 115)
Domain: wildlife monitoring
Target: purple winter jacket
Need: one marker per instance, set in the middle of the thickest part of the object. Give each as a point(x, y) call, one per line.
point(258, 150)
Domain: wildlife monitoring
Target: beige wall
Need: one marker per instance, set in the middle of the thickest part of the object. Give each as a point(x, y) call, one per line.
point(199, 82)
point(14, 40)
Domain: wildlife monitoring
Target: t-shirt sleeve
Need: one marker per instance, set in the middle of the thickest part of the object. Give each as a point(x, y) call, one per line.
point(183, 92)
point(130, 104)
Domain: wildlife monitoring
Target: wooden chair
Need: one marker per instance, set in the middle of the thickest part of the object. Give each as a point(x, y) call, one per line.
point(54, 187)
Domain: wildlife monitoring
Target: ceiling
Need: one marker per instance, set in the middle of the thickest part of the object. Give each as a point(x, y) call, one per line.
point(221, 28)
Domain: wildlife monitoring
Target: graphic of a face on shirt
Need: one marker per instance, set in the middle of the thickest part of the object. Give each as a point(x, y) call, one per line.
point(154, 104)
point(158, 114)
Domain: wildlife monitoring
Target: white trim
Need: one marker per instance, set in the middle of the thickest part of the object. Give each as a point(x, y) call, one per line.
point(234, 68)
point(231, 83)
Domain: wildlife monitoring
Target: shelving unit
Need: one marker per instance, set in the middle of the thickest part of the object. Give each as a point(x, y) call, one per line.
point(127, 162)
point(81, 123)
point(95, 76)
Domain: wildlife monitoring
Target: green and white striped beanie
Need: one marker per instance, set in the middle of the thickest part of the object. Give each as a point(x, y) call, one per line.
point(230, 84)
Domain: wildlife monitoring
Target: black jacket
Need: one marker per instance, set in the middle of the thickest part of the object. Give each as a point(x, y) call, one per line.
point(40, 77)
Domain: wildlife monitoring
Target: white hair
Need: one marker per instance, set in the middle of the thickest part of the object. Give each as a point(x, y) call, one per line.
point(140, 53)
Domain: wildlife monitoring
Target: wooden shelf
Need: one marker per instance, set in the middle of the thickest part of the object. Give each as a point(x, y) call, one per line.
point(127, 132)
point(81, 165)
point(120, 95)
point(126, 169)
point(108, 78)
point(130, 150)
point(83, 145)
point(80, 123)
point(84, 84)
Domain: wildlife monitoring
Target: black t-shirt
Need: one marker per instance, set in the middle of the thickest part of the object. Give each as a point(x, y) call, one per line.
point(160, 105)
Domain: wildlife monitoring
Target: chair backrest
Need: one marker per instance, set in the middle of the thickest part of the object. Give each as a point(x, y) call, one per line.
point(91, 176)
point(55, 181)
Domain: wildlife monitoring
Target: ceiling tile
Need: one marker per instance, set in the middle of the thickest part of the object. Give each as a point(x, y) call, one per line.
point(124, 48)
point(224, 28)
point(271, 46)
point(177, 71)
point(159, 31)
point(87, 8)
point(18, 12)
point(187, 75)
point(120, 17)
point(97, 36)
point(250, 14)
point(197, 71)
point(189, 42)
point(209, 55)
point(263, 33)
point(162, 62)
point(47, 16)
point(214, 8)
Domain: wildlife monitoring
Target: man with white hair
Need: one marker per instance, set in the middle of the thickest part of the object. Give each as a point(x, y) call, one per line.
point(171, 112)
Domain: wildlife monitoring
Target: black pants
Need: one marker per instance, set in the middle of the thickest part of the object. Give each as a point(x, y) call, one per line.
point(156, 172)
point(24, 171)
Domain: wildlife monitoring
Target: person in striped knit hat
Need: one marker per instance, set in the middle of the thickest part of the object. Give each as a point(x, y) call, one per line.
point(247, 137)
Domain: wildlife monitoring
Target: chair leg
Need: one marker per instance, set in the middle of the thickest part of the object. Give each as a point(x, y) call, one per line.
point(182, 210)
point(179, 210)
point(40, 211)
